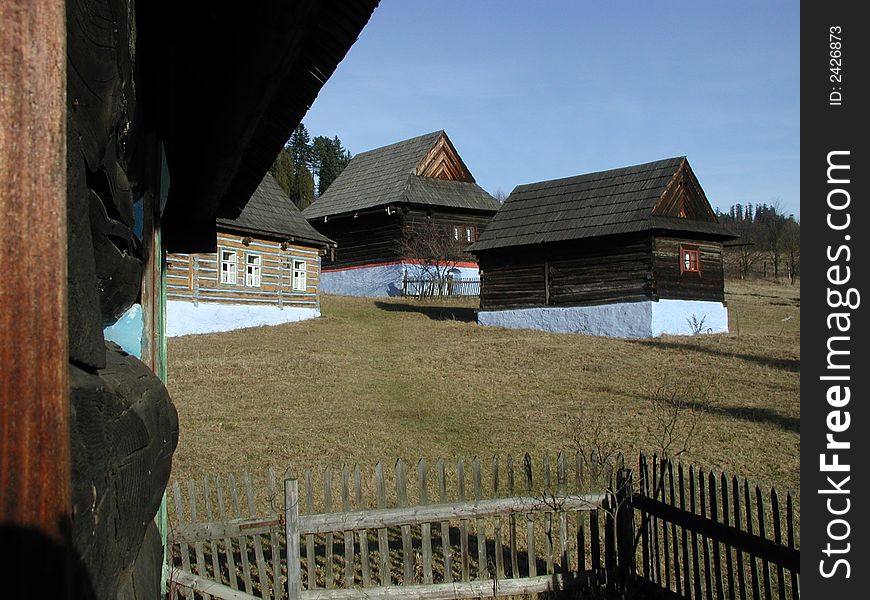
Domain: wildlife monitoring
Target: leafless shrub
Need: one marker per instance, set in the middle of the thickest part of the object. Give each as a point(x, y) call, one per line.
point(677, 410)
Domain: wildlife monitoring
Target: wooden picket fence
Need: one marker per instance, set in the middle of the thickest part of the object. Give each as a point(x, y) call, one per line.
point(464, 530)
point(472, 530)
point(708, 536)
point(429, 287)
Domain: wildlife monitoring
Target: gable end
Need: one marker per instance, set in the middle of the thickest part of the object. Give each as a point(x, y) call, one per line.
point(683, 198)
point(443, 162)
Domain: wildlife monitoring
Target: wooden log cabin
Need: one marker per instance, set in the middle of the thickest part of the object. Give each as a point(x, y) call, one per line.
point(126, 127)
point(379, 200)
point(630, 252)
point(266, 270)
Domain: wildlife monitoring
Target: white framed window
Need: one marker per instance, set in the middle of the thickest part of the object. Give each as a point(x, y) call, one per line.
point(229, 266)
point(456, 232)
point(300, 275)
point(253, 266)
point(469, 234)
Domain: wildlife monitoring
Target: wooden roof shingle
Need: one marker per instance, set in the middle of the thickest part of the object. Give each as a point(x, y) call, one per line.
point(598, 204)
point(387, 175)
point(271, 212)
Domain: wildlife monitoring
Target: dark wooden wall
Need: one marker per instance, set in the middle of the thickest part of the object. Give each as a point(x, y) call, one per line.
point(574, 274)
point(709, 284)
point(616, 269)
point(123, 426)
point(368, 239)
point(375, 237)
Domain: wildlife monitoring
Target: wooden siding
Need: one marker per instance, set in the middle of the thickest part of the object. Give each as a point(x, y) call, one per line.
point(368, 239)
point(569, 275)
point(709, 284)
point(196, 277)
point(447, 220)
point(374, 238)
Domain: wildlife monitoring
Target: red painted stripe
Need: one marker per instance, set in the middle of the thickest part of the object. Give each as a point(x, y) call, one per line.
point(467, 265)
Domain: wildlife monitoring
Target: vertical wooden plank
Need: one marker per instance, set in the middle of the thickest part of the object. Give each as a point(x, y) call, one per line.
point(644, 524)
point(548, 516)
point(765, 566)
point(348, 535)
point(562, 477)
point(512, 521)
point(666, 542)
point(34, 345)
point(730, 574)
point(180, 519)
point(291, 532)
point(407, 540)
point(243, 540)
point(445, 525)
point(595, 541)
point(741, 573)
point(696, 556)
point(654, 522)
point(463, 523)
point(274, 539)
point(672, 500)
point(702, 497)
point(228, 543)
point(581, 515)
point(213, 549)
point(790, 529)
point(499, 549)
point(310, 557)
point(777, 537)
point(425, 528)
point(753, 563)
point(530, 524)
point(687, 566)
point(610, 541)
point(258, 545)
point(200, 555)
point(383, 540)
point(363, 533)
point(480, 524)
point(717, 556)
point(328, 559)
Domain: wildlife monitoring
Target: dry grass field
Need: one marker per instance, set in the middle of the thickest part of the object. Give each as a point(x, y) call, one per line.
point(379, 379)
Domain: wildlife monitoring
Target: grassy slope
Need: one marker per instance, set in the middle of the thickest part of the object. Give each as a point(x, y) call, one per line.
point(379, 379)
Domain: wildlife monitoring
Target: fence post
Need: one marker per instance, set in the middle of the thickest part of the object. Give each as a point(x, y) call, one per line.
point(291, 532)
point(626, 555)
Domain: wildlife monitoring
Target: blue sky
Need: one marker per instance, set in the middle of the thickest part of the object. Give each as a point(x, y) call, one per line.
point(529, 91)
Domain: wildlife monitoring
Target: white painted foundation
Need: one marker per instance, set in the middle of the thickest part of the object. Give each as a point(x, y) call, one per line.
point(186, 318)
point(622, 319)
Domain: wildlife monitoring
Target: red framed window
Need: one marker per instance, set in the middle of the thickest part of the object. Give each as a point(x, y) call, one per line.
point(690, 260)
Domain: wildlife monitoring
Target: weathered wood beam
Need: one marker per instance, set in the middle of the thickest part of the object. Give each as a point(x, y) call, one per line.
point(34, 387)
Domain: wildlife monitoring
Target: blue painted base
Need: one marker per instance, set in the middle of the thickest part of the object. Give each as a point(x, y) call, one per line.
point(623, 319)
point(185, 318)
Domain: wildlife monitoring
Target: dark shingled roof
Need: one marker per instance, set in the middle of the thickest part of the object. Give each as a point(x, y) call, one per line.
point(271, 212)
point(592, 205)
point(387, 176)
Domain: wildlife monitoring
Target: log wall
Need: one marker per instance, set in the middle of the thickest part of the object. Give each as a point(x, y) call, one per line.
point(368, 239)
point(623, 269)
point(196, 277)
point(709, 284)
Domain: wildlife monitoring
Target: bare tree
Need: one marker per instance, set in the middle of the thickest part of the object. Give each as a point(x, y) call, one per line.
point(433, 250)
point(792, 249)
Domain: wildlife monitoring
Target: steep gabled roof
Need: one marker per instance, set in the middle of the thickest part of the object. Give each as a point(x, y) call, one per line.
point(271, 212)
point(425, 170)
point(661, 195)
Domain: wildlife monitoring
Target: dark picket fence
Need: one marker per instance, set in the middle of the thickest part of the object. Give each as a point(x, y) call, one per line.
point(706, 536)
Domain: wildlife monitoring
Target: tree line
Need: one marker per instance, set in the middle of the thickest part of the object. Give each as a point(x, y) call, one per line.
point(306, 167)
point(769, 243)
